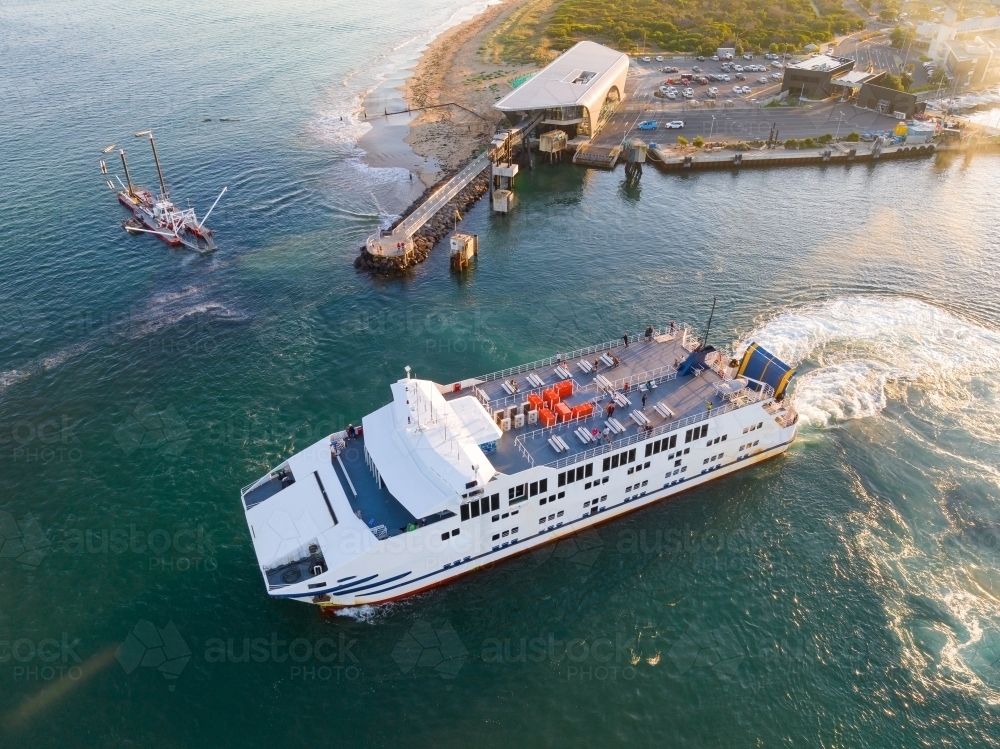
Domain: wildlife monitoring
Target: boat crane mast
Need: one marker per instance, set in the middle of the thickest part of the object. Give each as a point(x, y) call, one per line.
point(163, 185)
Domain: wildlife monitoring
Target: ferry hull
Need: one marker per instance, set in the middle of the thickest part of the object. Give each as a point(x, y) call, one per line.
point(566, 531)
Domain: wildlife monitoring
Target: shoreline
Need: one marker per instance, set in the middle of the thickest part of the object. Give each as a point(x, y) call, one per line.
point(434, 144)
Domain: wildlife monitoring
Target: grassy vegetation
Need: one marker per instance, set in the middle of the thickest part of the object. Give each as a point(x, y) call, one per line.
point(538, 29)
point(699, 25)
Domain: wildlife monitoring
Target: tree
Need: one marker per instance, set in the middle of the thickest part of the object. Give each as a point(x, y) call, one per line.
point(900, 37)
point(791, 143)
point(891, 81)
point(681, 140)
point(907, 80)
point(698, 141)
point(853, 138)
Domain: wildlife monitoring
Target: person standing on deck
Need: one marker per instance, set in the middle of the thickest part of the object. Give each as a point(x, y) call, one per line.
point(625, 338)
point(643, 400)
point(649, 333)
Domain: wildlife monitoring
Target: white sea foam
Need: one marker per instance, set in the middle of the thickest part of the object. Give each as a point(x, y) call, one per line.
point(853, 351)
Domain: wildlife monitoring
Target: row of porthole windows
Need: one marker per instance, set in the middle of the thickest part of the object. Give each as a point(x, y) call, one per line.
point(544, 520)
point(511, 532)
point(752, 427)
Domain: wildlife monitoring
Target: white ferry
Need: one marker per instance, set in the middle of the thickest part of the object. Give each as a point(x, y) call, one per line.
point(448, 478)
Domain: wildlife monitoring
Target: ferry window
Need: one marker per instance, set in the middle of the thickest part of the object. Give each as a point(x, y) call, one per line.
point(586, 504)
point(687, 450)
point(494, 502)
point(552, 517)
point(465, 512)
point(646, 464)
point(560, 513)
point(513, 530)
point(455, 532)
point(717, 440)
point(542, 501)
point(630, 470)
point(589, 470)
point(474, 506)
point(684, 469)
point(724, 437)
point(496, 536)
point(541, 521)
point(514, 513)
point(628, 488)
point(644, 483)
point(543, 485)
point(631, 455)
point(676, 463)
point(670, 457)
point(614, 461)
point(673, 441)
point(505, 534)
point(687, 436)
point(656, 447)
point(494, 518)
point(604, 497)
point(444, 536)
point(588, 484)
point(704, 430)
point(760, 425)
point(505, 515)
point(562, 479)
point(606, 465)
point(516, 491)
point(552, 497)
point(580, 473)
point(649, 449)
point(705, 462)
point(604, 480)
point(756, 442)
point(561, 495)
point(746, 429)
point(570, 477)
point(484, 503)
point(534, 488)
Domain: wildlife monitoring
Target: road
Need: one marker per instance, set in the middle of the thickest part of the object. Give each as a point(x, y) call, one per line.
point(747, 124)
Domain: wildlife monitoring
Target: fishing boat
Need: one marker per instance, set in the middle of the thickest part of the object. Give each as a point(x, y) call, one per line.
point(157, 214)
point(448, 479)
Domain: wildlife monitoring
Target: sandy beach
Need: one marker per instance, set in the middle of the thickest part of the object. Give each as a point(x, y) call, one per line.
point(452, 77)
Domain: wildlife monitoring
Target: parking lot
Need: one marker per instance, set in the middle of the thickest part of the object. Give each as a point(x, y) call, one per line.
point(651, 76)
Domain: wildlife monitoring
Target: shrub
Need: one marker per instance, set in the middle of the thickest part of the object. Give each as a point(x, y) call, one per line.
point(681, 140)
point(825, 138)
point(808, 143)
point(853, 138)
point(791, 143)
point(698, 141)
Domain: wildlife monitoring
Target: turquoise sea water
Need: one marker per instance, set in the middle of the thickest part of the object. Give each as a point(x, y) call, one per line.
point(845, 594)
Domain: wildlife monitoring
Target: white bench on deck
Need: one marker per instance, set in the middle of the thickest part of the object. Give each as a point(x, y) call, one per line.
point(510, 386)
point(558, 444)
point(535, 380)
point(584, 435)
point(603, 383)
point(562, 372)
point(639, 418)
point(607, 360)
point(648, 385)
point(620, 400)
point(614, 425)
point(585, 366)
point(662, 410)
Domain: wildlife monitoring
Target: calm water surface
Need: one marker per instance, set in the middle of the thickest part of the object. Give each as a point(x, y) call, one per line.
point(846, 594)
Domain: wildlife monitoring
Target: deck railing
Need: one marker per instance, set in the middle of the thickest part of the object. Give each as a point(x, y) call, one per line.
point(683, 330)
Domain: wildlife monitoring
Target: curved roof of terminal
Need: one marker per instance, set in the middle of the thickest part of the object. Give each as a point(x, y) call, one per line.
point(572, 79)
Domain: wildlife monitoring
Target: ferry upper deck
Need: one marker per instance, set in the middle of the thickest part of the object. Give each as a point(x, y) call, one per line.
point(641, 380)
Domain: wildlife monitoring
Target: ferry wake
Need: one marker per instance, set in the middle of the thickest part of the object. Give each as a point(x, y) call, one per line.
point(448, 478)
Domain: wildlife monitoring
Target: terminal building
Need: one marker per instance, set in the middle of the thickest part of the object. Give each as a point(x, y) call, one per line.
point(575, 93)
point(815, 77)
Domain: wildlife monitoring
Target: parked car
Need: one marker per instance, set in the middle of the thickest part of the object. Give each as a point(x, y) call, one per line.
point(740, 77)
point(747, 90)
point(738, 68)
point(762, 79)
point(648, 125)
point(646, 58)
point(777, 65)
point(673, 70)
point(737, 89)
point(688, 93)
point(715, 57)
point(675, 125)
point(696, 69)
point(748, 56)
point(776, 76)
point(701, 58)
point(726, 78)
point(671, 94)
point(659, 58)
point(713, 92)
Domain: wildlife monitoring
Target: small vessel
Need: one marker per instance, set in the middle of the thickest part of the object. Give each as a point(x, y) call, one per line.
point(448, 479)
point(157, 214)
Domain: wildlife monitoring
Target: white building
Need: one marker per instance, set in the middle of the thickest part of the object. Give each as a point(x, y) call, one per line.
point(576, 92)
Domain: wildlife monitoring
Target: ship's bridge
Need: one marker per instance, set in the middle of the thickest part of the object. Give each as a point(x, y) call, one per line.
point(427, 451)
